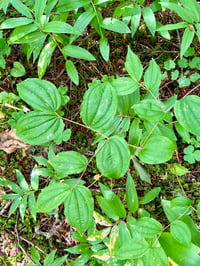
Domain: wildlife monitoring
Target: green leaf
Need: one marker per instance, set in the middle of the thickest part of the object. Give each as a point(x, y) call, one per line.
point(15, 22)
point(9, 196)
point(45, 58)
point(197, 25)
point(31, 204)
point(135, 19)
point(35, 255)
point(113, 158)
point(187, 112)
point(115, 25)
point(182, 132)
point(21, 8)
point(169, 64)
point(194, 77)
point(178, 169)
point(174, 75)
point(183, 82)
point(15, 204)
point(68, 162)
point(149, 19)
point(22, 206)
point(78, 249)
point(112, 206)
point(148, 227)
point(42, 95)
point(183, 63)
point(124, 85)
point(52, 196)
point(149, 110)
point(152, 79)
point(21, 31)
point(180, 254)
point(77, 52)
point(15, 188)
point(187, 38)
point(104, 48)
point(99, 235)
point(133, 65)
point(79, 207)
point(39, 9)
point(59, 27)
point(131, 195)
point(18, 70)
point(99, 106)
point(59, 261)
point(67, 134)
point(151, 195)
point(131, 249)
point(156, 255)
point(50, 5)
point(135, 134)
point(193, 229)
point(37, 128)
point(72, 72)
point(182, 12)
point(144, 175)
point(35, 178)
point(157, 149)
point(22, 182)
point(82, 22)
point(181, 232)
point(176, 26)
point(49, 258)
point(69, 5)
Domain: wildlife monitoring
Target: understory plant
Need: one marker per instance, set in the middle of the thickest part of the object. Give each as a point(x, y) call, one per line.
point(131, 124)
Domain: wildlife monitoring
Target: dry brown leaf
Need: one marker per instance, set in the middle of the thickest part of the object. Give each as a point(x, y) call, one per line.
point(9, 142)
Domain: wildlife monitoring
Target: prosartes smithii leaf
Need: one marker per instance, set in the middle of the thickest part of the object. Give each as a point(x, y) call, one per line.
point(42, 95)
point(114, 157)
point(157, 149)
point(37, 128)
point(69, 162)
point(99, 106)
point(79, 207)
point(187, 112)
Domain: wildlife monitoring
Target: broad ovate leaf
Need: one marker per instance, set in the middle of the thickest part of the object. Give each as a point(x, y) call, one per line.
point(148, 227)
point(52, 196)
point(42, 95)
point(187, 112)
point(181, 232)
point(149, 110)
point(180, 254)
point(79, 207)
point(124, 85)
point(37, 128)
point(113, 158)
point(68, 162)
point(157, 149)
point(99, 106)
point(131, 249)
